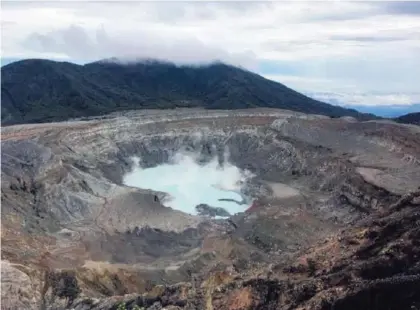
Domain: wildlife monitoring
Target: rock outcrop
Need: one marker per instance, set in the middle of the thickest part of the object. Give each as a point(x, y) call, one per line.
point(206, 210)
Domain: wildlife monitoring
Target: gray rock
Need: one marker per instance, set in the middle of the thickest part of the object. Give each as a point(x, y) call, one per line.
point(64, 206)
point(206, 210)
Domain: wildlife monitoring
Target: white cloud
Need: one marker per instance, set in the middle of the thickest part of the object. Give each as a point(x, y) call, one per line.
point(328, 90)
point(368, 99)
point(303, 83)
point(76, 43)
point(362, 45)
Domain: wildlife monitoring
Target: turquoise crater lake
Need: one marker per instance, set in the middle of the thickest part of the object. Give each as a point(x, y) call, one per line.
point(189, 184)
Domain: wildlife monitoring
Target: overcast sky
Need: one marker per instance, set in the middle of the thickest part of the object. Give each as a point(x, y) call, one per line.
point(367, 49)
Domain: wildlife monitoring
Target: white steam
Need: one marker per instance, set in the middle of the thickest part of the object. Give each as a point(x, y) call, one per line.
point(190, 184)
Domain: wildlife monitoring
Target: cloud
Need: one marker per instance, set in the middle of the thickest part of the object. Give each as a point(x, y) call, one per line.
point(305, 83)
point(370, 46)
point(367, 38)
point(367, 99)
point(76, 43)
point(400, 7)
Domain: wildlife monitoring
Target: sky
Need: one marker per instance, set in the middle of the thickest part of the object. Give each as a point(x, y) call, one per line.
point(358, 52)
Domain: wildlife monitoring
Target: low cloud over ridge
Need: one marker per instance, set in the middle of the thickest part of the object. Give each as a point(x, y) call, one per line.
point(366, 46)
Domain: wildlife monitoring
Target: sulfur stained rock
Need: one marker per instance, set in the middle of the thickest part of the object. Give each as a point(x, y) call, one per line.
point(18, 290)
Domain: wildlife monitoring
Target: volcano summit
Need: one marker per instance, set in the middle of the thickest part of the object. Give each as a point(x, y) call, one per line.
point(192, 208)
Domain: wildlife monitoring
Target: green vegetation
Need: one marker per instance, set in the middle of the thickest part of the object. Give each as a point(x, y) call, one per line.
point(42, 90)
point(122, 306)
point(411, 118)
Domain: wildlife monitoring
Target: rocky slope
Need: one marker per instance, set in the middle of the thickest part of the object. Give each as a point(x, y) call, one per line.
point(325, 230)
point(41, 90)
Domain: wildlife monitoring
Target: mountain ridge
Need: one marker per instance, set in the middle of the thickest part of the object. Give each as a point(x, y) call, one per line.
point(35, 90)
point(410, 118)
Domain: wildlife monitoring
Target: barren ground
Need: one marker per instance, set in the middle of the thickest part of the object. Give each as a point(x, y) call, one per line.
point(324, 230)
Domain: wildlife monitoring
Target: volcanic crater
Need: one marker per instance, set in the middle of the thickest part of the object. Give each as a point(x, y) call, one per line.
point(76, 234)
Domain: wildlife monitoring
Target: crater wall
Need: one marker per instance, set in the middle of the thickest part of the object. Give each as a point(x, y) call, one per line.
point(64, 204)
